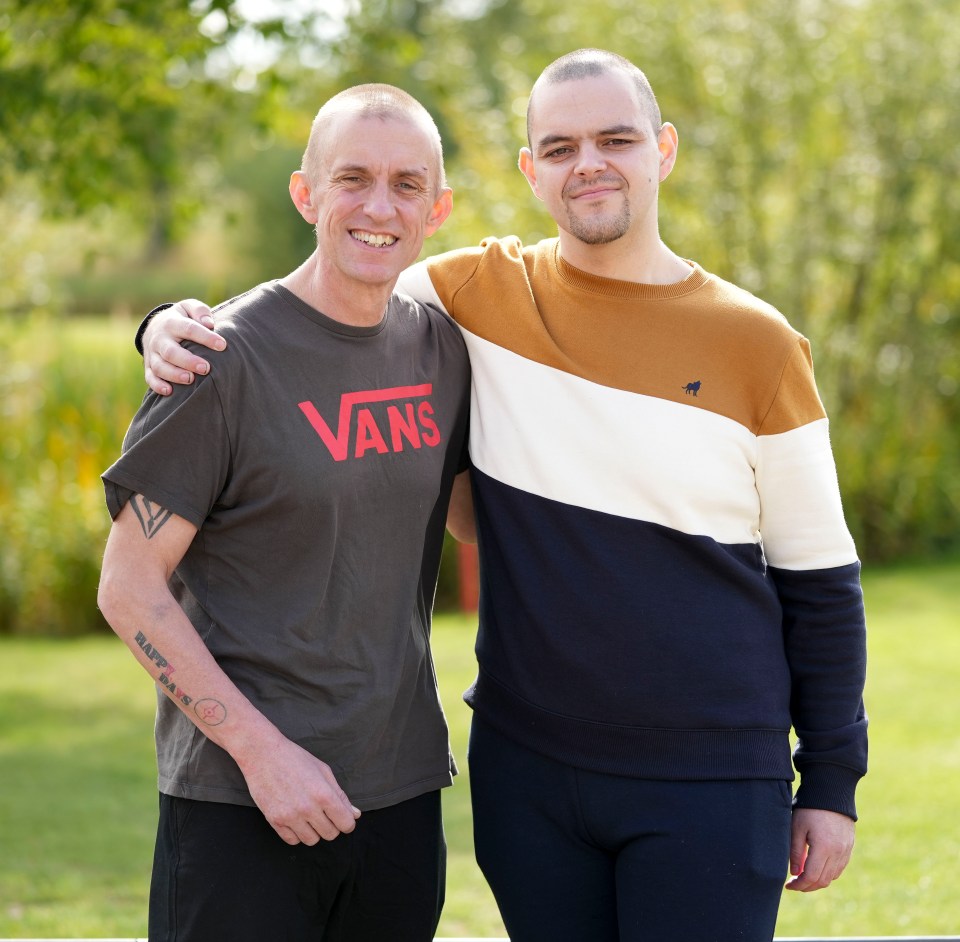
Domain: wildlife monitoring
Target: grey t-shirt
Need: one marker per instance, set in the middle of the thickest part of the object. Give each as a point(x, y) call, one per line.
point(317, 461)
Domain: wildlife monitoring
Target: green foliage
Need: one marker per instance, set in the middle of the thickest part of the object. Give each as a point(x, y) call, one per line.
point(77, 847)
point(109, 102)
point(69, 389)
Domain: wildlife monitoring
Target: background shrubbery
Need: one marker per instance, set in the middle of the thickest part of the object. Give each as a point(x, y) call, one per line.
point(69, 391)
point(145, 148)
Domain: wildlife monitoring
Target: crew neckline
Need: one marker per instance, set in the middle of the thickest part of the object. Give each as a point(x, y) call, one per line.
point(324, 320)
point(628, 290)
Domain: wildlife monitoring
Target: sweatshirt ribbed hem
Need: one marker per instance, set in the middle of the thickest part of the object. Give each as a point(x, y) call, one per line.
point(641, 752)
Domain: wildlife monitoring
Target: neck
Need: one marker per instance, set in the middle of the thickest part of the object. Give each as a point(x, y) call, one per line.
point(341, 299)
point(644, 261)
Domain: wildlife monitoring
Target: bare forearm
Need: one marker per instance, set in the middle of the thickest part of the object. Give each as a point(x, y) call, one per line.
point(167, 646)
point(296, 791)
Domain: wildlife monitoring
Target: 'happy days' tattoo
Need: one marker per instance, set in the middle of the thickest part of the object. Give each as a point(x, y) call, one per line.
point(210, 712)
point(166, 669)
point(151, 516)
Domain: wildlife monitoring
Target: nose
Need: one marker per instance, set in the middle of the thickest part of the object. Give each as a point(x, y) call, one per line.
point(379, 203)
point(589, 160)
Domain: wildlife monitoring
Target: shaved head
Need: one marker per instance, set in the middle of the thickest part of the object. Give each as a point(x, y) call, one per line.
point(371, 101)
point(588, 63)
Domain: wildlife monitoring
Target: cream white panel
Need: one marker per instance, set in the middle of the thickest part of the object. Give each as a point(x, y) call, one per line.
point(802, 516)
point(562, 437)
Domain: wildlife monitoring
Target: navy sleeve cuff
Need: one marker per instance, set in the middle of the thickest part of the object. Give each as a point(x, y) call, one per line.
point(828, 788)
point(138, 340)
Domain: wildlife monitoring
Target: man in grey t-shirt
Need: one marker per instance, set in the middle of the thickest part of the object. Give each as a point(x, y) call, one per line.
point(272, 561)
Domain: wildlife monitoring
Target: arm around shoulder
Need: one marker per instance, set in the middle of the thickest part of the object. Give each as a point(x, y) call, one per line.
point(165, 360)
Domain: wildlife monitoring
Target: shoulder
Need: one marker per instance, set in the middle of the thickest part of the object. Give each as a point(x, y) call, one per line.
point(243, 321)
point(498, 253)
point(241, 313)
point(489, 267)
point(752, 313)
point(425, 317)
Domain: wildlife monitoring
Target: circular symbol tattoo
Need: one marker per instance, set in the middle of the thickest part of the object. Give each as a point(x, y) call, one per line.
point(211, 712)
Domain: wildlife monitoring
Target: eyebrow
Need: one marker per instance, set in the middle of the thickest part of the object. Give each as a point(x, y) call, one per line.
point(423, 172)
point(549, 139)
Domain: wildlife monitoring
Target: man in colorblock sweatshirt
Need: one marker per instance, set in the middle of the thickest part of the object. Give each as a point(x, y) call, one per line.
point(668, 586)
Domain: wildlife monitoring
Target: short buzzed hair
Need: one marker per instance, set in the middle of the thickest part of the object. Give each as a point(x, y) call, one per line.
point(587, 63)
point(371, 101)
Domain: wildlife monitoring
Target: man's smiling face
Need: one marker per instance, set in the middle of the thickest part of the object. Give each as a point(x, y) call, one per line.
point(376, 196)
point(594, 157)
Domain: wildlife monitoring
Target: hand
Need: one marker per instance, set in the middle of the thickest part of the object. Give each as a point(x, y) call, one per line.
point(299, 795)
point(164, 358)
point(820, 848)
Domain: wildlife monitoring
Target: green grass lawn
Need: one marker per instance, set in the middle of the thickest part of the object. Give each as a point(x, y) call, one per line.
point(78, 800)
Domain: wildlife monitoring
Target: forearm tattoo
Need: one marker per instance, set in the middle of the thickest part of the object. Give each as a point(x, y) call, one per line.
point(210, 712)
point(151, 516)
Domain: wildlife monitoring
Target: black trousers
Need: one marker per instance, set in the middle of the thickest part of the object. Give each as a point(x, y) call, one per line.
point(221, 874)
point(577, 856)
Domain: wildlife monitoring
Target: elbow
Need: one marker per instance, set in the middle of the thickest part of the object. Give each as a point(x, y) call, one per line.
point(110, 599)
point(462, 530)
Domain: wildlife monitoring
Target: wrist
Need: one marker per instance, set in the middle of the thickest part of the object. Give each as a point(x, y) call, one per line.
point(145, 323)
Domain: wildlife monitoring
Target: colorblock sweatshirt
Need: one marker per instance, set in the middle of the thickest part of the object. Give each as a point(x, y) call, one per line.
point(668, 585)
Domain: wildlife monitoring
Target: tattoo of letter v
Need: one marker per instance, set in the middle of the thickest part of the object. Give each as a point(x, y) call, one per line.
point(151, 516)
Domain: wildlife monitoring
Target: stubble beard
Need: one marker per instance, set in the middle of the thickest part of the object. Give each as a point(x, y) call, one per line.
point(600, 231)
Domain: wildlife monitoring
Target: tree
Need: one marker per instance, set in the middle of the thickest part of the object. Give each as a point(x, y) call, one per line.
point(108, 101)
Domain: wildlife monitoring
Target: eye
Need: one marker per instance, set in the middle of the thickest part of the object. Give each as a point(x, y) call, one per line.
point(558, 152)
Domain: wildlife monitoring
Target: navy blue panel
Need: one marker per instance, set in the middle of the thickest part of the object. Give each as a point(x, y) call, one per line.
point(620, 621)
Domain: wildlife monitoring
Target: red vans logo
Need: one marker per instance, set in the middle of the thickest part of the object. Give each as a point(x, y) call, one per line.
point(407, 423)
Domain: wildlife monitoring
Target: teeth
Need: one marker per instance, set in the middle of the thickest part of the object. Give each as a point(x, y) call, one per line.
point(370, 238)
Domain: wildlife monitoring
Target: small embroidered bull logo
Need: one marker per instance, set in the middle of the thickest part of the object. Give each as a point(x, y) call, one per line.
point(692, 388)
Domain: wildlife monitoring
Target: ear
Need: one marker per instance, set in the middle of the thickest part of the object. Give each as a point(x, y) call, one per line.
point(441, 209)
point(302, 196)
point(667, 143)
point(525, 163)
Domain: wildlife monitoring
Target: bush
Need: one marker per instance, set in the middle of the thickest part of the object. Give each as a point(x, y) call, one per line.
point(69, 390)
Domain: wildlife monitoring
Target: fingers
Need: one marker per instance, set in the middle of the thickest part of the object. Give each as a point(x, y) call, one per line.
point(155, 383)
point(817, 875)
point(325, 816)
point(180, 323)
point(198, 311)
point(308, 832)
point(165, 361)
point(169, 361)
point(298, 793)
point(325, 825)
point(820, 849)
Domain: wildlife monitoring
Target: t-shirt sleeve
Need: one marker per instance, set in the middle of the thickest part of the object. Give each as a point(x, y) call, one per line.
point(176, 453)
